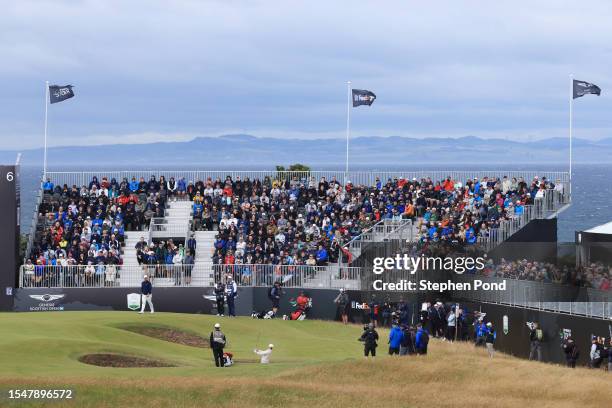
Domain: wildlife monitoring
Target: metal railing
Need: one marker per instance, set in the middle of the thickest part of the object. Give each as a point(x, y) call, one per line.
point(112, 276)
point(33, 225)
point(552, 297)
point(292, 276)
point(542, 208)
point(356, 177)
point(401, 229)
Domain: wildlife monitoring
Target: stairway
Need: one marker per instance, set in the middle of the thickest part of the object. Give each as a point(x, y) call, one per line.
point(202, 272)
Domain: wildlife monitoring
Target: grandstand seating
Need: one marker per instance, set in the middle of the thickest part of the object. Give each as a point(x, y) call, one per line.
point(290, 220)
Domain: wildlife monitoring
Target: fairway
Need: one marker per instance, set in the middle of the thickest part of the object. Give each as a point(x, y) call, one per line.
point(314, 362)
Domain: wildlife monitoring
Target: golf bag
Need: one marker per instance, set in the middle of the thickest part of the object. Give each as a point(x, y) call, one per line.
point(262, 315)
point(228, 359)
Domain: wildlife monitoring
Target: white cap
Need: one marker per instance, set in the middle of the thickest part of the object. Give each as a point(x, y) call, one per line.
point(145, 277)
point(270, 345)
point(489, 324)
point(217, 326)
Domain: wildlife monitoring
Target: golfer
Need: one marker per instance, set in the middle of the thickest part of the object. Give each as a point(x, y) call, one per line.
point(146, 290)
point(217, 343)
point(265, 354)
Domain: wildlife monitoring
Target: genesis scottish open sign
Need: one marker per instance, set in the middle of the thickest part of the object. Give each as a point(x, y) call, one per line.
point(9, 233)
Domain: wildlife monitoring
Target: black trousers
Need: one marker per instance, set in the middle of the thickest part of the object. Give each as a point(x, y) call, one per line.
point(369, 349)
point(218, 355)
point(220, 306)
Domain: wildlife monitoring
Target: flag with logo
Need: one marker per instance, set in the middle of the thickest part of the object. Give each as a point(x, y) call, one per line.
point(582, 88)
point(363, 97)
point(59, 93)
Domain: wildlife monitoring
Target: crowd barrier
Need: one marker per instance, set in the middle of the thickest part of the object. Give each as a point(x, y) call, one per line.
point(541, 296)
point(368, 178)
point(104, 276)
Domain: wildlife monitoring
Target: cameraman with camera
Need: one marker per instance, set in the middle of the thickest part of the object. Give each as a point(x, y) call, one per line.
point(536, 335)
point(369, 339)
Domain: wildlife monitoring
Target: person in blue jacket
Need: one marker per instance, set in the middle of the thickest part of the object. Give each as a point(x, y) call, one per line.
point(490, 338)
point(48, 187)
point(146, 289)
point(395, 338)
point(481, 333)
point(421, 340)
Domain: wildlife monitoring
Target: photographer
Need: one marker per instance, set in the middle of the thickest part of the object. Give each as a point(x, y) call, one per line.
point(342, 301)
point(596, 352)
point(220, 297)
point(369, 339)
point(536, 335)
point(274, 294)
point(571, 352)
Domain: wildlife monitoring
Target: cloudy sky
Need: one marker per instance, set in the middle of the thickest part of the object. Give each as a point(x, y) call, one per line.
point(144, 71)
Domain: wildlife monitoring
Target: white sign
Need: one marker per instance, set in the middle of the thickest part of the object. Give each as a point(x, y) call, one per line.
point(133, 301)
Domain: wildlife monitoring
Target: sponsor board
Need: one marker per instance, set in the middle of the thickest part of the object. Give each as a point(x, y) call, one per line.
point(47, 303)
point(133, 301)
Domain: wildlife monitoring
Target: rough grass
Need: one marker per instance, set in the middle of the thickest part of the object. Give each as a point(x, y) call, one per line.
point(315, 364)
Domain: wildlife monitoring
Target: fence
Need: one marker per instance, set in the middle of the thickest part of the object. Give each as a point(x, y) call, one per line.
point(356, 177)
point(112, 276)
point(541, 296)
point(542, 208)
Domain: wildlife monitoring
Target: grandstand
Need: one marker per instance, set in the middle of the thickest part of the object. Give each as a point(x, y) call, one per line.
point(306, 229)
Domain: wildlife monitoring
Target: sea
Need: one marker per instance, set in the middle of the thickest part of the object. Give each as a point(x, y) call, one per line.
point(591, 188)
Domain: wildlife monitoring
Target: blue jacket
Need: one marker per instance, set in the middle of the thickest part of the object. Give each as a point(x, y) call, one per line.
point(419, 338)
point(395, 337)
point(481, 330)
point(146, 288)
point(48, 186)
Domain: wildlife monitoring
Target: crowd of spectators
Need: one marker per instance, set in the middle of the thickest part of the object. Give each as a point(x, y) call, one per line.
point(596, 275)
point(269, 221)
point(86, 225)
point(307, 222)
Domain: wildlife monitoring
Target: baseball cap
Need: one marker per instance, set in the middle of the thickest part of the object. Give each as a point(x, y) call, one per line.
point(217, 326)
point(271, 345)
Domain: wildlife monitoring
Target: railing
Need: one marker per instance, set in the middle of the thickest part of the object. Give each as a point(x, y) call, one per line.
point(552, 297)
point(401, 229)
point(356, 177)
point(112, 276)
point(292, 276)
point(542, 208)
point(33, 225)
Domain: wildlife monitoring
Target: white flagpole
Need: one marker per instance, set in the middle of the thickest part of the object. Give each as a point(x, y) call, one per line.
point(348, 129)
point(571, 114)
point(45, 148)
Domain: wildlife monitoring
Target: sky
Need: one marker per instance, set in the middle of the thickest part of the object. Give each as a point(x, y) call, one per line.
point(149, 71)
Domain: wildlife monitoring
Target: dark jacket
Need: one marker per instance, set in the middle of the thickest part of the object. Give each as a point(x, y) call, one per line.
point(369, 337)
point(146, 288)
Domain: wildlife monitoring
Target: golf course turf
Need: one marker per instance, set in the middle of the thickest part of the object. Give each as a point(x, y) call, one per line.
point(315, 363)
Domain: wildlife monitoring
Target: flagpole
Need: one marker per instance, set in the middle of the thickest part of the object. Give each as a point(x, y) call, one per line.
point(571, 115)
point(45, 148)
point(348, 129)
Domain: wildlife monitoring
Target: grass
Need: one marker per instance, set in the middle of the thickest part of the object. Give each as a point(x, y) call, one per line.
point(315, 363)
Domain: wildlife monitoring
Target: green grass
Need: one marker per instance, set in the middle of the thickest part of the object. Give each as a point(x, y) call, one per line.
point(315, 363)
point(49, 344)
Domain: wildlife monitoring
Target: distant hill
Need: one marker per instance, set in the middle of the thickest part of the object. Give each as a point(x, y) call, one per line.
point(245, 150)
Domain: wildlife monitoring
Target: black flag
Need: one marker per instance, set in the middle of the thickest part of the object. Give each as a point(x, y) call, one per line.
point(363, 97)
point(582, 88)
point(60, 93)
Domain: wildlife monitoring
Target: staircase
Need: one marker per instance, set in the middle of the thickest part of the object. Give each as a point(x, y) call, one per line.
point(202, 272)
